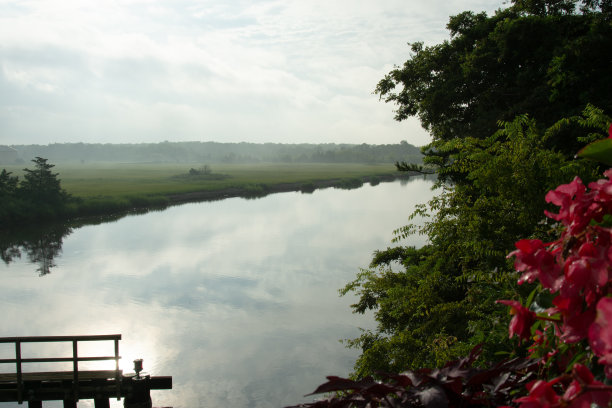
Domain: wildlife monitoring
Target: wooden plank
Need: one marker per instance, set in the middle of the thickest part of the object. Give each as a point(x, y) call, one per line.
point(89, 389)
point(50, 391)
point(58, 359)
point(43, 339)
point(161, 382)
point(156, 383)
point(61, 375)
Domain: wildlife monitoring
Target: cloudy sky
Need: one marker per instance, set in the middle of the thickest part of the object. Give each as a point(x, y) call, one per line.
point(131, 71)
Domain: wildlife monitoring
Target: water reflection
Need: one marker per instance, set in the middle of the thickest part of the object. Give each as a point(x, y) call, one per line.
point(236, 299)
point(41, 245)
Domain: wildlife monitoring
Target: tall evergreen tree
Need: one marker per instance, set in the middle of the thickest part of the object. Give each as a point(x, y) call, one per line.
point(41, 185)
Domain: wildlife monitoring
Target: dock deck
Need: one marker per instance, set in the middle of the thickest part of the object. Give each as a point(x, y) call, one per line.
point(73, 385)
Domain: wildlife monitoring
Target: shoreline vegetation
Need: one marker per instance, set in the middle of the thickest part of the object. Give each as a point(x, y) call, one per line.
point(114, 190)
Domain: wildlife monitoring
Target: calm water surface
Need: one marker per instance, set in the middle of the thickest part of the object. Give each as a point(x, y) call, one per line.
point(236, 299)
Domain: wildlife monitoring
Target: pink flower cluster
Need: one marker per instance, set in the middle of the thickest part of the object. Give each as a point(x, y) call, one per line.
point(581, 391)
point(577, 269)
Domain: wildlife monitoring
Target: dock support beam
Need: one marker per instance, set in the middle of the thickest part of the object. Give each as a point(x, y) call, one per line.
point(140, 395)
point(101, 403)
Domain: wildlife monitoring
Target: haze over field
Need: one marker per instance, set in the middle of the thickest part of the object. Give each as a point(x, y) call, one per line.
point(290, 71)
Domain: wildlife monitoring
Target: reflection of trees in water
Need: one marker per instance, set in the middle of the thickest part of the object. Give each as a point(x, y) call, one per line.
point(41, 245)
point(9, 252)
point(426, 176)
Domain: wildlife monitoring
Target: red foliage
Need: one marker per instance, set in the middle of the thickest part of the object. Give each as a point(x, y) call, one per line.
point(457, 384)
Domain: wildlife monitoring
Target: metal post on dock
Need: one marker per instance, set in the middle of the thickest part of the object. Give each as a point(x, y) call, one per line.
point(140, 388)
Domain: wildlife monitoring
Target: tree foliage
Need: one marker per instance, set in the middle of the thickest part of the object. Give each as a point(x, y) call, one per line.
point(40, 184)
point(216, 152)
point(547, 58)
point(8, 185)
point(38, 196)
point(508, 100)
point(437, 302)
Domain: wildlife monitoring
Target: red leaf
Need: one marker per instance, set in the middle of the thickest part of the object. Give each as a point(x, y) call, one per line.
point(342, 384)
point(433, 397)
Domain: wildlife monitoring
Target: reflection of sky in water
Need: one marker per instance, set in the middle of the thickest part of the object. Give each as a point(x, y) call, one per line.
point(236, 299)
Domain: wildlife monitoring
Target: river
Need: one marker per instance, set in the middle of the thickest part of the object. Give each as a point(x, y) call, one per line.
point(236, 299)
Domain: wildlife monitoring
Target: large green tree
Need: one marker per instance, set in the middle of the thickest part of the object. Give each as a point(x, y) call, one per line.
point(547, 58)
point(508, 101)
point(441, 302)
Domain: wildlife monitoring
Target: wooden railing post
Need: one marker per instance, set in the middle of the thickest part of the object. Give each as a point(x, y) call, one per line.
point(19, 374)
point(75, 367)
point(117, 374)
point(101, 403)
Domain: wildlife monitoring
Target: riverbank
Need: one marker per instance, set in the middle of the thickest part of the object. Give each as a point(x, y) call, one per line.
point(263, 189)
point(94, 208)
point(111, 189)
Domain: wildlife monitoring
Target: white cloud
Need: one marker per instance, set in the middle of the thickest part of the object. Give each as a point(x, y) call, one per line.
point(151, 70)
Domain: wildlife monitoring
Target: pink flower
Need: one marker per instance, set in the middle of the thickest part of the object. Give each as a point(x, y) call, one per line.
point(603, 189)
point(575, 327)
point(600, 334)
point(577, 268)
point(575, 323)
point(568, 197)
point(578, 394)
point(533, 259)
point(522, 321)
point(541, 395)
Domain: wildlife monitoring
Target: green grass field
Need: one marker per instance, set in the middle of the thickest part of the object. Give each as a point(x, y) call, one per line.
point(113, 180)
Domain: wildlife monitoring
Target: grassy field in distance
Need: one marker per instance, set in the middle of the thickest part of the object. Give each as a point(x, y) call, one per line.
point(118, 180)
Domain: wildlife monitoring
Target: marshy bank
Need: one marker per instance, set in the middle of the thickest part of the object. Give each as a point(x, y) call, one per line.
point(103, 189)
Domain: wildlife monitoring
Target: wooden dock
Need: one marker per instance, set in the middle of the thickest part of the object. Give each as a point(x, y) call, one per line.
point(73, 385)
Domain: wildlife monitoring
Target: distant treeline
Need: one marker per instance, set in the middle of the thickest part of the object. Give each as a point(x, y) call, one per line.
point(214, 152)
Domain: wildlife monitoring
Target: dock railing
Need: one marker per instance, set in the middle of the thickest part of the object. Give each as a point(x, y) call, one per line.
point(75, 374)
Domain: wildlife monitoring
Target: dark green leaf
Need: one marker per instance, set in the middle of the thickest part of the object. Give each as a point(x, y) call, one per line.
point(600, 150)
